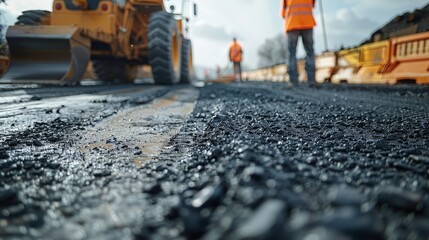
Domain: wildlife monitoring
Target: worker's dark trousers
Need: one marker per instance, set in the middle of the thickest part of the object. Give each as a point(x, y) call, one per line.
point(310, 63)
point(237, 71)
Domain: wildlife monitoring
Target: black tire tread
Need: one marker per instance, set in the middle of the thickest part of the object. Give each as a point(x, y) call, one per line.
point(186, 74)
point(32, 17)
point(161, 26)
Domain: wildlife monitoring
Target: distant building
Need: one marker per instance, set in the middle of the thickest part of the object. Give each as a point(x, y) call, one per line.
point(405, 24)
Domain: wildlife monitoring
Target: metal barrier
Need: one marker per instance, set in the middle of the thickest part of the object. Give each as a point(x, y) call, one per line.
point(326, 65)
point(398, 60)
point(347, 66)
point(409, 60)
point(373, 58)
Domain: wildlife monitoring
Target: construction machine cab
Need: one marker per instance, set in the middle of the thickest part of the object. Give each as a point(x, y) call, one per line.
point(182, 12)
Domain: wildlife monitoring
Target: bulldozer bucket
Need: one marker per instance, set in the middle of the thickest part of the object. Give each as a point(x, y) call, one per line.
point(56, 54)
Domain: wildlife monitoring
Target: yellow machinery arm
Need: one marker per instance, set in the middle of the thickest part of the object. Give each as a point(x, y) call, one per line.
point(47, 52)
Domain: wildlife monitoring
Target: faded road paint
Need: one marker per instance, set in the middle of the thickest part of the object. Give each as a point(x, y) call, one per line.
point(143, 130)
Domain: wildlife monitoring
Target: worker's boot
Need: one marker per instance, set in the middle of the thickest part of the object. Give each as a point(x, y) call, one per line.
point(294, 82)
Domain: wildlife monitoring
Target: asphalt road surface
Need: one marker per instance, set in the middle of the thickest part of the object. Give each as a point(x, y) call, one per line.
point(240, 161)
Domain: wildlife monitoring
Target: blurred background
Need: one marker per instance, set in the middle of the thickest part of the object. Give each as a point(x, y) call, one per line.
point(259, 28)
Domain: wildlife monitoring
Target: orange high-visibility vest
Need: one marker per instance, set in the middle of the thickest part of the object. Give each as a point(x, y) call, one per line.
point(235, 52)
point(298, 14)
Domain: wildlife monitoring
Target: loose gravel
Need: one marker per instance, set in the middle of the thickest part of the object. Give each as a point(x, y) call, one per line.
point(253, 161)
point(270, 162)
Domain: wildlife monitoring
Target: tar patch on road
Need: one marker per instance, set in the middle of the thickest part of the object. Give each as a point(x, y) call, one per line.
point(141, 133)
point(252, 161)
point(270, 162)
point(43, 181)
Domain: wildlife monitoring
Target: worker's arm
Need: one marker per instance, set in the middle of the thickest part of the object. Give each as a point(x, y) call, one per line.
point(314, 3)
point(283, 9)
point(229, 55)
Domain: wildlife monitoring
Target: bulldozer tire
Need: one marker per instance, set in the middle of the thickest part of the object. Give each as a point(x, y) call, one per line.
point(109, 70)
point(34, 17)
point(187, 63)
point(164, 48)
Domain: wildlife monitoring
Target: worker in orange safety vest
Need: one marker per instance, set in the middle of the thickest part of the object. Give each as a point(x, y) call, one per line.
point(236, 56)
point(299, 22)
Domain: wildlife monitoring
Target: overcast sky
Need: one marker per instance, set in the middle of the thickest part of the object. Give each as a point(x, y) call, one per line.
point(349, 22)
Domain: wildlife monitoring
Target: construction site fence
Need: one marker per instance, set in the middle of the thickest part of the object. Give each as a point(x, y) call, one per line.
point(397, 60)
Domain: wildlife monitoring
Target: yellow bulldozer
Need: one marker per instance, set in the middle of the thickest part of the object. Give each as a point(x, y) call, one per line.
point(4, 57)
point(118, 36)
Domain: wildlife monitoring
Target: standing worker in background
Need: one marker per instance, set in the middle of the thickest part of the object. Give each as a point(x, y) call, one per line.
point(236, 56)
point(299, 22)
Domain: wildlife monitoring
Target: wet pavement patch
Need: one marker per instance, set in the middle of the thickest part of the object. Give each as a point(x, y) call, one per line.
point(44, 182)
point(252, 161)
point(3, 155)
point(269, 162)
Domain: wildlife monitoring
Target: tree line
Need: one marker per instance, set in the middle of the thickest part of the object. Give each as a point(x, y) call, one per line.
point(273, 52)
